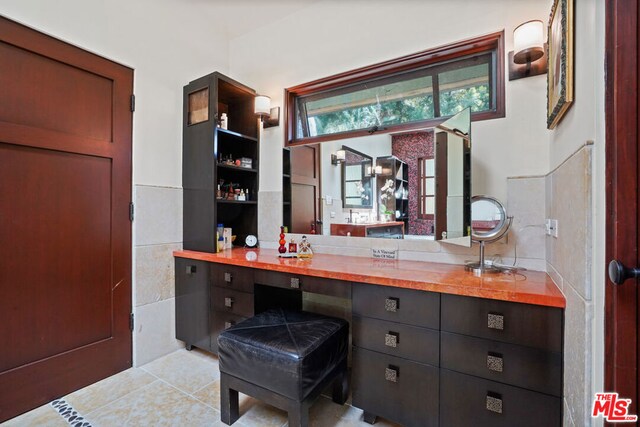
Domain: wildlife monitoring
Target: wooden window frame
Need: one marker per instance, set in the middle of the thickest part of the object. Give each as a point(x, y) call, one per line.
point(483, 44)
point(422, 183)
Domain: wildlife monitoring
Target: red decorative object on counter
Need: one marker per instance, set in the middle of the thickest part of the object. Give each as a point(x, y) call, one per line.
point(282, 249)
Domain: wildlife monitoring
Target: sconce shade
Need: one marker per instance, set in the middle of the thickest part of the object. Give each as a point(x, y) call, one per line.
point(341, 154)
point(262, 105)
point(528, 42)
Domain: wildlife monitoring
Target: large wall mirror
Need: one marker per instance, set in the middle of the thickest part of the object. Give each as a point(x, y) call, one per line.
point(413, 185)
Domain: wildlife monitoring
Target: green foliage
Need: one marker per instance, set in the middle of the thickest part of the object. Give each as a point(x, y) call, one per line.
point(403, 110)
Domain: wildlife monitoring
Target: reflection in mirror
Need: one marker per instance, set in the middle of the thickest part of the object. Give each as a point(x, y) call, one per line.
point(356, 179)
point(420, 185)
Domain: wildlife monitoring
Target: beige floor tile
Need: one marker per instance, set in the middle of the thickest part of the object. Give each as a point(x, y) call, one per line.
point(157, 404)
point(43, 416)
point(108, 390)
point(210, 395)
point(184, 370)
point(254, 413)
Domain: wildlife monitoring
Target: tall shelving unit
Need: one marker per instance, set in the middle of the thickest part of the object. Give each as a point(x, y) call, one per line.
point(209, 155)
point(286, 188)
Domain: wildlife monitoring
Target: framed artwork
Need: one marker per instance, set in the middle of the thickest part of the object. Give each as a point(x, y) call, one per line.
point(560, 75)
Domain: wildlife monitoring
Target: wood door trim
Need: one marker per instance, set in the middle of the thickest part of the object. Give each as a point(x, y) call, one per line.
point(621, 112)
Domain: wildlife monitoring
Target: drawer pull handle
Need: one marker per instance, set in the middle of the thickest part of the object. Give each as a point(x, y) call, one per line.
point(228, 324)
point(228, 277)
point(228, 302)
point(295, 283)
point(392, 373)
point(494, 402)
point(392, 304)
point(495, 321)
point(495, 362)
point(191, 269)
point(392, 339)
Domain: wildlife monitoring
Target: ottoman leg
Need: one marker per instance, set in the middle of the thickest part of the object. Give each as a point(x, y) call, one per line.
point(341, 385)
point(229, 410)
point(299, 415)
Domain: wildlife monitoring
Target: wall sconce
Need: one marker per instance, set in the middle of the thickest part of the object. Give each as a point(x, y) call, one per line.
point(373, 171)
point(268, 116)
point(338, 157)
point(529, 55)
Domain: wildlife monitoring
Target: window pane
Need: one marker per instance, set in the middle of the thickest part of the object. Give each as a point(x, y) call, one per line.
point(429, 167)
point(429, 205)
point(429, 187)
point(464, 87)
point(390, 101)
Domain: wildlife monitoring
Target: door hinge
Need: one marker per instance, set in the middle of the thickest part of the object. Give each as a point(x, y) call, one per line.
point(131, 322)
point(133, 103)
point(131, 211)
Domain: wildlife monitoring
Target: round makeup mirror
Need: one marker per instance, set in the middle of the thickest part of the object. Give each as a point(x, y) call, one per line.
point(489, 223)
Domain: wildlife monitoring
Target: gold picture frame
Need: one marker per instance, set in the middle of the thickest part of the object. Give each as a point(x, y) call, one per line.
point(560, 75)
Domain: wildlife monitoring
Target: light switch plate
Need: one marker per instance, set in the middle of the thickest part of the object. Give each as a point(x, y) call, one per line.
point(554, 228)
point(333, 214)
point(328, 200)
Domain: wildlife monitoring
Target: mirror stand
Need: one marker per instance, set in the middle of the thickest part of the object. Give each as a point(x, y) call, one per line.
point(487, 210)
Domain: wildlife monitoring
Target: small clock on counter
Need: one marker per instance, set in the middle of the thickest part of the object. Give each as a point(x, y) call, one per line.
point(251, 241)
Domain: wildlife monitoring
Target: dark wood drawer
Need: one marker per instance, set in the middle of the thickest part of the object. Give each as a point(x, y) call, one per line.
point(397, 389)
point(220, 321)
point(526, 367)
point(232, 301)
point(398, 305)
point(316, 285)
point(525, 324)
point(471, 401)
point(397, 339)
point(231, 276)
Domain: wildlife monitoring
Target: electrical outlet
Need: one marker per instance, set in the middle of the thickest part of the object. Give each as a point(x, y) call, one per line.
point(554, 228)
point(332, 214)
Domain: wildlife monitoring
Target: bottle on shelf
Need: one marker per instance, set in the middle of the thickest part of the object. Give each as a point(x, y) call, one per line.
point(246, 194)
point(224, 121)
point(218, 193)
point(242, 197)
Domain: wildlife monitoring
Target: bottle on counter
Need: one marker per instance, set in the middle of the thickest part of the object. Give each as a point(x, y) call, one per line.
point(293, 246)
point(305, 249)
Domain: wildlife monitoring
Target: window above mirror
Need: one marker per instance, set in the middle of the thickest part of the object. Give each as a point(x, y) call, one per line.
point(406, 93)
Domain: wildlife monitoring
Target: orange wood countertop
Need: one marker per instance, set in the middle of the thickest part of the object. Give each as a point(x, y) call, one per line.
point(530, 287)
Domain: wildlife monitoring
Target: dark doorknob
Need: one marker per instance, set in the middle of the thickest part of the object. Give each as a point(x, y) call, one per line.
point(618, 273)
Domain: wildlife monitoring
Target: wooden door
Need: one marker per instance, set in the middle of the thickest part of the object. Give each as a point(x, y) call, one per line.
point(305, 189)
point(65, 233)
point(623, 181)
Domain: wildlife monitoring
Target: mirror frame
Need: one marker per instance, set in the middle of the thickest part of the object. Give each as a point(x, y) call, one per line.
point(499, 230)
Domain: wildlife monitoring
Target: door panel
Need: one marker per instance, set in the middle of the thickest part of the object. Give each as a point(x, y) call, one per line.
point(65, 188)
point(305, 188)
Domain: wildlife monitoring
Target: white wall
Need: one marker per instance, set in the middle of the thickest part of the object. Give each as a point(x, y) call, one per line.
point(167, 45)
point(330, 37)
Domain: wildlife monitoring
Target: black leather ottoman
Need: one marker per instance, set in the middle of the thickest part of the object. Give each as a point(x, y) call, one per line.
point(284, 358)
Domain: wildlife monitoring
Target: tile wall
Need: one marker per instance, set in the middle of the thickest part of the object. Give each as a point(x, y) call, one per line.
point(569, 200)
point(158, 232)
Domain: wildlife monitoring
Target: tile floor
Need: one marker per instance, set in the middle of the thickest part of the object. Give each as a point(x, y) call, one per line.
point(179, 389)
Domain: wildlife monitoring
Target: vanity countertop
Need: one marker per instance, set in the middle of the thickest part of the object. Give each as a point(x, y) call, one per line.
point(530, 287)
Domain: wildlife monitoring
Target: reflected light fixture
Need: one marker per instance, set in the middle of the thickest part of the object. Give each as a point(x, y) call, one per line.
point(338, 157)
point(529, 55)
point(268, 116)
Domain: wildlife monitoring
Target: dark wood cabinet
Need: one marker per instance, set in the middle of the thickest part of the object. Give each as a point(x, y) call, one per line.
point(214, 157)
point(192, 303)
point(419, 358)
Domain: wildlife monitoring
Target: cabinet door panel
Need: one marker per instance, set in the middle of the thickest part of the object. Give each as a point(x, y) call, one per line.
point(192, 302)
point(526, 367)
point(398, 305)
point(397, 339)
point(231, 301)
point(396, 389)
point(516, 323)
point(471, 401)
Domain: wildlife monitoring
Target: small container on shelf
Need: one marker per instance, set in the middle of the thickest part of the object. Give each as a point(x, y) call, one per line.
point(246, 162)
point(224, 121)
